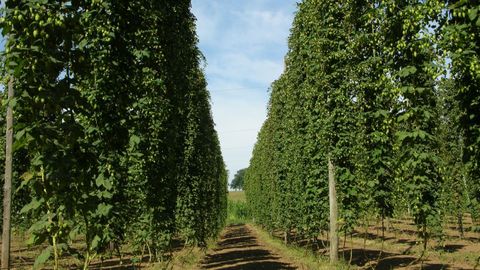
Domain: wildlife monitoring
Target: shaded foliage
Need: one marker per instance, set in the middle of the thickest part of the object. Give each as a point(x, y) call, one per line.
point(380, 87)
point(113, 125)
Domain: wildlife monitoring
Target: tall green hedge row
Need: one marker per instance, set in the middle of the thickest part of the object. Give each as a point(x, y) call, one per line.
point(114, 137)
point(388, 90)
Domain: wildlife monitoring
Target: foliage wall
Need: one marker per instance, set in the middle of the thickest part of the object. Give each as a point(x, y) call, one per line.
point(114, 137)
point(388, 90)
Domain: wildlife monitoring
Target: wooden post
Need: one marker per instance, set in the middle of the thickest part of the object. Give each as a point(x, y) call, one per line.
point(286, 238)
point(7, 187)
point(332, 194)
point(460, 223)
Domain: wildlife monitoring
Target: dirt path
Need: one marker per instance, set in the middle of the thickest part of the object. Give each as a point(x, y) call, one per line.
point(239, 248)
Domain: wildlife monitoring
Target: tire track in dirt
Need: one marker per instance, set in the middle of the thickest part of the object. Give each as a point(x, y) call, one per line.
point(239, 249)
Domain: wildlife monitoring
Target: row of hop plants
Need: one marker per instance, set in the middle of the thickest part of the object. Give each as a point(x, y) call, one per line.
point(386, 90)
point(114, 137)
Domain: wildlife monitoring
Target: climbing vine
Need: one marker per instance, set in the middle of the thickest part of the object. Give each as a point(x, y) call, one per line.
point(379, 88)
point(114, 126)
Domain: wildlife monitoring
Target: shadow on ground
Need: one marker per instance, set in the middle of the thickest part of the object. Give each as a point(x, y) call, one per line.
point(239, 250)
point(376, 259)
point(373, 258)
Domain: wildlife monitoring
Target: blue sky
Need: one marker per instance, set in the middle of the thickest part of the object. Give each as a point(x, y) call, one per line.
point(244, 43)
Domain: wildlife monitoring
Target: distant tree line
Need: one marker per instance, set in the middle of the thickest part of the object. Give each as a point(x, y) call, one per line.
point(238, 180)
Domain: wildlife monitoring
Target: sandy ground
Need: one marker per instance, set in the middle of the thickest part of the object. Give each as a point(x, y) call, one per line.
point(239, 248)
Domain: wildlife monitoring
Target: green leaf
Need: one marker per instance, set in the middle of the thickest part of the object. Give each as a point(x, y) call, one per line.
point(37, 160)
point(134, 140)
point(407, 71)
point(95, 242)
point(32, 240)
point(403, 117)
point(472, 14)
point(34, 204)
point(27, 176)
point(402, 135)
point(42, 258)
point(40, 225)
point(82, 43)
point(20, 134)
point(103, 209)
point(100, 181)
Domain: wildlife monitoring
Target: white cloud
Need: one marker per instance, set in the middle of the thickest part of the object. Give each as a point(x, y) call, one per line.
point(262, 27)
point(206, 24)
point(238, 115)
point(242, 68)
point(252, 30)
point(244, 43)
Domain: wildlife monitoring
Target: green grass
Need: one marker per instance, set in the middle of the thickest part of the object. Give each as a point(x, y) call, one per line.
point(237, 196)
point(237, 212)
point(303, 258)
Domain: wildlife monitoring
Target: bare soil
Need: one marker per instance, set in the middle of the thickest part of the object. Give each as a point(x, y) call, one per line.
point(399, 246)
point(240, 249)
point(402, 247)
